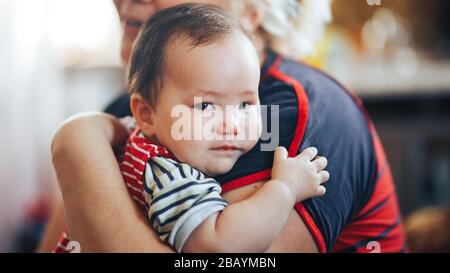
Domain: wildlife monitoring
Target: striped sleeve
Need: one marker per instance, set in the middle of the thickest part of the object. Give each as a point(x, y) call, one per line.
point(179, 199)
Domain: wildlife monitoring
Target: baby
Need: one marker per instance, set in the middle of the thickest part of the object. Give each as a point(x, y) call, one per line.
point(196, 58)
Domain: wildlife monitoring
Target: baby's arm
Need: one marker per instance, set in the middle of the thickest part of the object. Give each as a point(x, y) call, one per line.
point(252, 225)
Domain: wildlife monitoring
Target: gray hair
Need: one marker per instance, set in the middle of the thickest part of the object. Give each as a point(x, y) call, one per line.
point(293, 27)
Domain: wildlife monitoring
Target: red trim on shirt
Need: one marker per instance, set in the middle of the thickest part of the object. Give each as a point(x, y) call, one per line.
point(302, 119)
point(275, 64)
point(302, 116)
point(312, 227)
point(246, 180)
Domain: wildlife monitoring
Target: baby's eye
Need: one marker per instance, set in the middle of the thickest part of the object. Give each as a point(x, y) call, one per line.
point(244, 105)
point(204, 106)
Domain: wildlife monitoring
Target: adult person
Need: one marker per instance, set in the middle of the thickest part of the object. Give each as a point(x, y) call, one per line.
point(360, 211)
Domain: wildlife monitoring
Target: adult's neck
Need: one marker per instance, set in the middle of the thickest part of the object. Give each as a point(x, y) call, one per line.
point(261, 44)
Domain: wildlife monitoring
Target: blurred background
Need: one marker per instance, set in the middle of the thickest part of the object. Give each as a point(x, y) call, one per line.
point(61, 57)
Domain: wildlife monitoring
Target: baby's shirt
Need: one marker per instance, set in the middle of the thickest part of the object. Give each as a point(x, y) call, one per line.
point(176, 197)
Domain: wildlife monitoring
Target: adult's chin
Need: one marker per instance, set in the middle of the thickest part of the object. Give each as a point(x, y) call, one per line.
point(127, 47)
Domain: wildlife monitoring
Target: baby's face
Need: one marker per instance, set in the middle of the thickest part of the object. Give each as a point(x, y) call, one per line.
point(208, 111)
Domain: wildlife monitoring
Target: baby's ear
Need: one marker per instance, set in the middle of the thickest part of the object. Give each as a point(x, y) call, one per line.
point(143, 113)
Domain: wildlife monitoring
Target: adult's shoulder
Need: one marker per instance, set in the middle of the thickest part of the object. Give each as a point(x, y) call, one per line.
point(339, 127)
point(325, 91)
point(337, 121)
point(333, 110)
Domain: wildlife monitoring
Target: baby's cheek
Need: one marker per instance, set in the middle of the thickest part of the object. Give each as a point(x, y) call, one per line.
point(216, 167)
point(253, 126)
point(253, 134)
point(224, 167)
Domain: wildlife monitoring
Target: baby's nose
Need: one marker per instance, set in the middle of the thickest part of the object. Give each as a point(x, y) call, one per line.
point(227, 129)
point(229, 125)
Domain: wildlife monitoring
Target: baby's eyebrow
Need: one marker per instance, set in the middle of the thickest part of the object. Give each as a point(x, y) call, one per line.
point(201, 92)
point(248, 93)
point(210, 94)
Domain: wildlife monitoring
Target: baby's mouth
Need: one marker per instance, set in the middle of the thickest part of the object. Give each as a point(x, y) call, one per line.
point(226, 148)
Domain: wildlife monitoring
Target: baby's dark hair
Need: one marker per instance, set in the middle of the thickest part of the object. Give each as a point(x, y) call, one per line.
point(193, 23)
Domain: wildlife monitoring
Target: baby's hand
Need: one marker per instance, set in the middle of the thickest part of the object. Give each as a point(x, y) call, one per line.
point(302, 174)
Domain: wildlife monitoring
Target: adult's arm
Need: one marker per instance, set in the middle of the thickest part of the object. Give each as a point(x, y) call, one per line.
point(54, 229)
point(100, 214)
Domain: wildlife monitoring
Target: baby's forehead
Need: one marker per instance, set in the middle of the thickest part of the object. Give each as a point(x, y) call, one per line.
point(232, 50)
point(223, 66)
point(182, 45)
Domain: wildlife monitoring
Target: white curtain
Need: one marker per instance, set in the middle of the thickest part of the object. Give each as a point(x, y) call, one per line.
point(31, 106)
point(57, 58)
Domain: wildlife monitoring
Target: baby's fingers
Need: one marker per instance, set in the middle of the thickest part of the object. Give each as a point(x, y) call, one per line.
point(309, 153)
point(323, 176)
point(280, 154)
point(320, 163)
point(321, 190)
